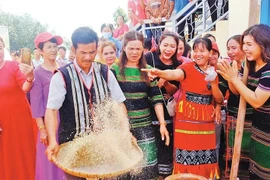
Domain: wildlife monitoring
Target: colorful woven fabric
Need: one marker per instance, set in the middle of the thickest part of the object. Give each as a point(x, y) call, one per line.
point(194, 135)
point(260, 132)
point(260, 153)
point(245, 146)
point(139, 97)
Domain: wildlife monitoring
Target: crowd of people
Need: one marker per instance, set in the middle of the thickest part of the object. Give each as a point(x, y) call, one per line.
point(50, 102)
point(155, 10)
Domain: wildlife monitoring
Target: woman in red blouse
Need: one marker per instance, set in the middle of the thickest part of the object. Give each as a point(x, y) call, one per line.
point(194, 126)
point(121, 29)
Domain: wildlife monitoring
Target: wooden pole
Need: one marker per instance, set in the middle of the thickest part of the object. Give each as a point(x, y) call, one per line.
point(254, 12)
point(239, 131)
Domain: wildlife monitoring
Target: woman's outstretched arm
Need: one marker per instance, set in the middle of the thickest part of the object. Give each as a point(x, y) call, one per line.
point(170, 75)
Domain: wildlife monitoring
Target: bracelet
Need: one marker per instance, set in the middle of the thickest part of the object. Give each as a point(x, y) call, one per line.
point(163, 123)
point(30, 81)
point(41, 127)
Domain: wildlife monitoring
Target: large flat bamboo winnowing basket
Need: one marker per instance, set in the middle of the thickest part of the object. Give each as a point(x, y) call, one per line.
point(185, 176)
point(96, 176)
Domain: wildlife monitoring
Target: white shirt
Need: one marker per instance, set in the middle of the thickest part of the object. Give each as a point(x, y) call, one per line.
point(63, 60)
point(58, 90)
point(7, 56)
point(37, 63)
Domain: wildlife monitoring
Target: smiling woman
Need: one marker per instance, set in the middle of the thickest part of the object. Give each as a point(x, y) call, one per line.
point(256, 45)
point(107, 52)
point(165, 58)
point(47, 44)
point(194, 121)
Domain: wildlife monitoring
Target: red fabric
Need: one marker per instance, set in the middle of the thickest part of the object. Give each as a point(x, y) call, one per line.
point(194, 79)
point(198, 133)
point(35, 129)
point(120, 31)
point(136, 8)
point(191, 142)
point(17, 142)
point(200, 140)
point(210, 169)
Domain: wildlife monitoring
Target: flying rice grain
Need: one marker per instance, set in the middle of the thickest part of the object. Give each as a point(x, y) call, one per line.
point(108, 148)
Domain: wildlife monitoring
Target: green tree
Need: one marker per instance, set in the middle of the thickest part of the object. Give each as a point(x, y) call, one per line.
point(22, 29)
point(67, 43)
point(119, 11)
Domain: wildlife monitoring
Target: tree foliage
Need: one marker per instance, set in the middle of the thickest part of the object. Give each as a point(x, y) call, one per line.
point(67, 42)
point(119, 11)
point(22, 29)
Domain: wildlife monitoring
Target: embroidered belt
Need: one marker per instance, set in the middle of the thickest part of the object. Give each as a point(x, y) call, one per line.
point(199, 98)
point(194, 132)
point(195, 157)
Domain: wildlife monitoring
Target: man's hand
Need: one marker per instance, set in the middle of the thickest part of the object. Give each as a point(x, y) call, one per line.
point(52, 150)
point(133, 140)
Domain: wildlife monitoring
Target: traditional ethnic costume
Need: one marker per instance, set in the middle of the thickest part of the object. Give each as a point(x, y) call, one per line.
point(232, 106)
point(260, 131)
point(164, 153)
point(230, 126)
point(73, 92)
point(75, 112)
point(194, 135)
point(138, 93)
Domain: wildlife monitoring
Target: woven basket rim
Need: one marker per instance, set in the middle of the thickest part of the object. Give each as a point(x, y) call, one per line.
point(107, 175)
point(185, 175)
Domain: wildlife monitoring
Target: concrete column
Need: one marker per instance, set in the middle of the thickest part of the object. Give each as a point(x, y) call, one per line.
point(243, 14)
point(222, 36)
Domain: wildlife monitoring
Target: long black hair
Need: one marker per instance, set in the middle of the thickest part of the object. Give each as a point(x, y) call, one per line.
point(176, 38)
point(204, 41)
point(260, 34)
point(132, 36)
